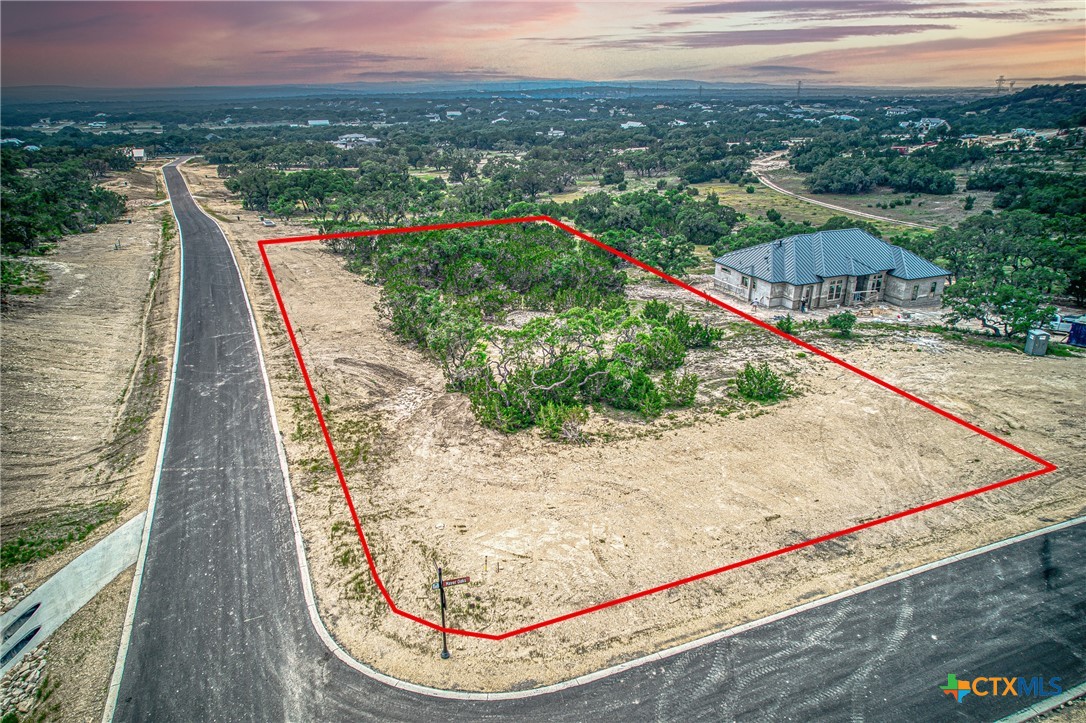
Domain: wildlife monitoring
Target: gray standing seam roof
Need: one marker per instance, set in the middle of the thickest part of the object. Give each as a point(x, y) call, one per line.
point(811, 257)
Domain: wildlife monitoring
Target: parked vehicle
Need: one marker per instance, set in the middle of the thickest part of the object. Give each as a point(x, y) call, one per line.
point(1063, 323)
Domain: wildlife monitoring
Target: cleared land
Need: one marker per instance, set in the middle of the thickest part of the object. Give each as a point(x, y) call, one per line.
point(85, 368)
point(645, 503)
point(924, 208)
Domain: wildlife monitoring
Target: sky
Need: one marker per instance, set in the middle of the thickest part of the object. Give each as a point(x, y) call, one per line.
point(915, 43)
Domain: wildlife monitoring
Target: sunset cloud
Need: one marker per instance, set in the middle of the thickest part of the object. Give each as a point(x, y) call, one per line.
point(869, 42)
point(738, 38)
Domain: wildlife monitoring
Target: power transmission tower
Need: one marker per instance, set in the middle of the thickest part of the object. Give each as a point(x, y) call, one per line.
point(999, 84)
point(799, 88)
point(1011, 84)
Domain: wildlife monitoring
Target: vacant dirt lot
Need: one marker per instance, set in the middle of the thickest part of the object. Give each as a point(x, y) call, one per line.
point(84, 369)
point(544, 529)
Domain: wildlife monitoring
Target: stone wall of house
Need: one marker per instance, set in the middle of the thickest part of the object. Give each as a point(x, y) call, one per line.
point(823, 300)
point(900, 291)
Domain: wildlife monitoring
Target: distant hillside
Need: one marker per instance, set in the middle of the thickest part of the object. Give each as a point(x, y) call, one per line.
point(1040, 106)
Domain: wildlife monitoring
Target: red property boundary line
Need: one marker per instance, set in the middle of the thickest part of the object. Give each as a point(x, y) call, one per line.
point(1044, 466)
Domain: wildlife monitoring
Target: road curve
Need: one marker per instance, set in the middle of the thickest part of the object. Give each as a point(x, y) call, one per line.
point(851, 211)
point(221, 630)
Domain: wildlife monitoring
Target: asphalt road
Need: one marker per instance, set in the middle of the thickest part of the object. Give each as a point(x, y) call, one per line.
point(221, 630)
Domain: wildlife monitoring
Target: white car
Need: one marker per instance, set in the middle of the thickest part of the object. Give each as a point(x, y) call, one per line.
point(1063, 323)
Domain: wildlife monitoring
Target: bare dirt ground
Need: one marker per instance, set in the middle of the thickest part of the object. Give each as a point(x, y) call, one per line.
point(545, 529)
point(85, 368)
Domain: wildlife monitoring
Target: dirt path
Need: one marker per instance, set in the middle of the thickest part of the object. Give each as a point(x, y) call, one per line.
point(761, 167)
point(544, 529)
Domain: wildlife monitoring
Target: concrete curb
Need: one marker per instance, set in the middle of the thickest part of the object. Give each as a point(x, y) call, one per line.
point(130, 615)
point(72, 587)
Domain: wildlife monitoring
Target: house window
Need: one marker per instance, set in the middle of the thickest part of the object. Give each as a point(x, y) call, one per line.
point(916, 291)
point(934, 286)
point(876, 283)
point(835, 290)
point(746, 281)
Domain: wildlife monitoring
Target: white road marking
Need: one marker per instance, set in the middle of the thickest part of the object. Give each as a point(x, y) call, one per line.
point(130, 616)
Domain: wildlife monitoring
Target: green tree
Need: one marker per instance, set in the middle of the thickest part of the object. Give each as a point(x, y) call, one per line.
point(1005, 310)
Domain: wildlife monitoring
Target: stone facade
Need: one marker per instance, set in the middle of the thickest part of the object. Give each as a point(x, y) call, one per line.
point(832, 292)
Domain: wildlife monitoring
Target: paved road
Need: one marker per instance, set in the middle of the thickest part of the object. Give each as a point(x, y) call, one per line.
point(221, 631)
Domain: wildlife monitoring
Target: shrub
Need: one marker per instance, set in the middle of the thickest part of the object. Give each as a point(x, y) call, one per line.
point(655, 311)
point(787, 325)
point(678, 391)
point(631, 389)
point(761, 384)
point(660, 349)
point(562, 422)
point(693, 334)
point(843, 323)
point(773, 215)
point(750, 189)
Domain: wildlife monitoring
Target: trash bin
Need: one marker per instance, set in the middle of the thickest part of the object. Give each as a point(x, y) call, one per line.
point(1037, 342)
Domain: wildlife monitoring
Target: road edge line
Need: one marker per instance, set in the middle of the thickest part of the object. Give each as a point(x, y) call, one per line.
point(299, 541)
point(133, 597)
point(684, 647)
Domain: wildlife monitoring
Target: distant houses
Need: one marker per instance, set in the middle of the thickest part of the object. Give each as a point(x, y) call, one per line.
point(317, 123)
point(925, 125)
point(846, 267)
point(354, 140)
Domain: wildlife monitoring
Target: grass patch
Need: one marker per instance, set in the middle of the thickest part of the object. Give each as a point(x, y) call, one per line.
point(48, 537)
point(20, 278)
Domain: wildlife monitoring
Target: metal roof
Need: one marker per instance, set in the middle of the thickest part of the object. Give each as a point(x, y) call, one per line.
point(808, 258)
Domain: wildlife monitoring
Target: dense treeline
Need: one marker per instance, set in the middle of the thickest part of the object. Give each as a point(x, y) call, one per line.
point(658, 227)
point(1040, 191)
point(449, 291)
point(1009, 266)
point(51, 192)
point(1039, 106)
point(831, 173)
point(44, 195)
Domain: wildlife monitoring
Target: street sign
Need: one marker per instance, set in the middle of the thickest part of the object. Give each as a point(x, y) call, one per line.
point(450, 583)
